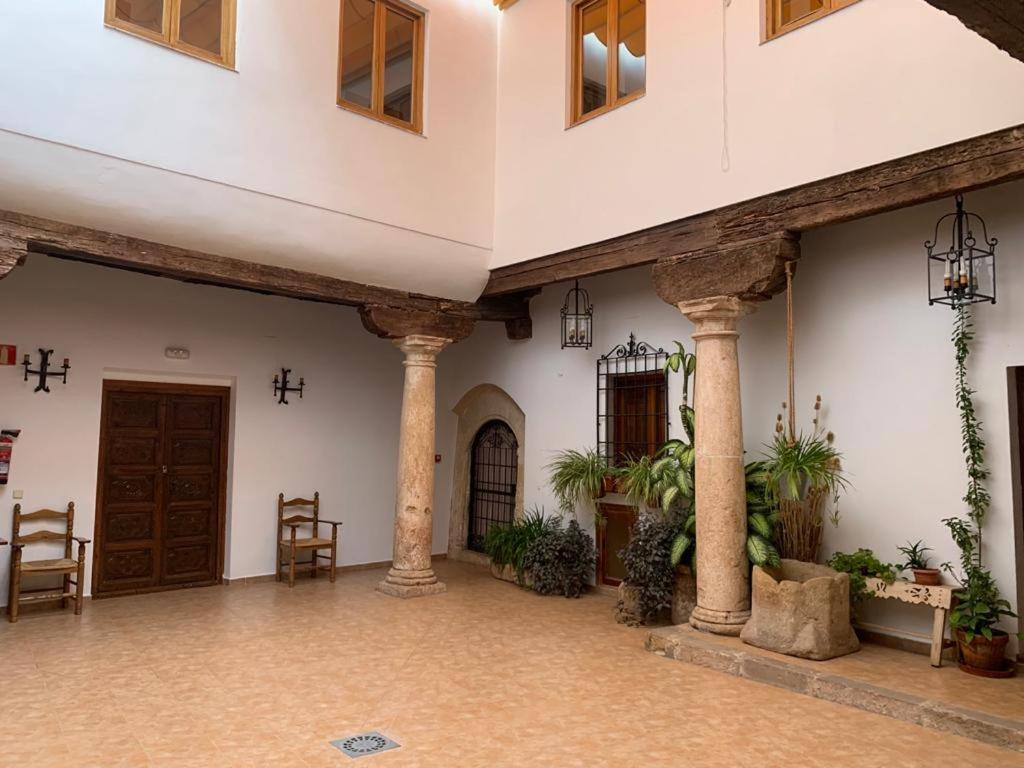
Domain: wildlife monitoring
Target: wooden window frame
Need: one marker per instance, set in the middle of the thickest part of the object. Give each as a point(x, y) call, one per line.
point(376, 109)
point(576, 116)
point(773, 26)
point(170, 37)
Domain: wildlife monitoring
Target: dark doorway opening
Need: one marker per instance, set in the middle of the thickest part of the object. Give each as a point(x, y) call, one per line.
point(494, 468)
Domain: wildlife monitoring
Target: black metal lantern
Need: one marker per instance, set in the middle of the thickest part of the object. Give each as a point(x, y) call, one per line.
point(965, 272)
point(577, 319)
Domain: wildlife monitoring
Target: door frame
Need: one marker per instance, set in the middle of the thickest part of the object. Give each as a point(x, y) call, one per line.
point(163, 388)
point(1015, 388)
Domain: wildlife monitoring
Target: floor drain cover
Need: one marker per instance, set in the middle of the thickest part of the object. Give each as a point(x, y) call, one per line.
point(365, 744)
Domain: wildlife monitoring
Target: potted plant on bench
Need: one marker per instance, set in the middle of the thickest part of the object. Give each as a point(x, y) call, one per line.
point(917, 561)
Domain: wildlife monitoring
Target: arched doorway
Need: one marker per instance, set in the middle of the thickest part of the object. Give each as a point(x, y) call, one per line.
point(494, 474)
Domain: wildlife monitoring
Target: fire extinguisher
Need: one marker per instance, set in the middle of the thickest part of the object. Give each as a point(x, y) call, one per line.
point(6, 448)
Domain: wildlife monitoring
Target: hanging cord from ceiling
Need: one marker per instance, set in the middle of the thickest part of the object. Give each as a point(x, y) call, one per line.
point(726, 160)
point(790, 364)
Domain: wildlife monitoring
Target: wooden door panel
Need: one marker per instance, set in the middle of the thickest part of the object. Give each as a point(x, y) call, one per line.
point(161, 490)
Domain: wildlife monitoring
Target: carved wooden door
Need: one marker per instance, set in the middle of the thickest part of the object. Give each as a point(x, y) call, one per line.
point(160, 497)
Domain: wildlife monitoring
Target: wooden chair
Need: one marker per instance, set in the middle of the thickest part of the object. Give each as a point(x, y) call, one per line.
point(290, 546)
point(63, 567)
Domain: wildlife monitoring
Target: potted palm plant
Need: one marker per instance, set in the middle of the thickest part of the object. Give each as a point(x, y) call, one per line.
point(916, 560)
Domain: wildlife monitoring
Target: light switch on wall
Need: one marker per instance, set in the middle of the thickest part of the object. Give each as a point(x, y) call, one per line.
point(18, 495)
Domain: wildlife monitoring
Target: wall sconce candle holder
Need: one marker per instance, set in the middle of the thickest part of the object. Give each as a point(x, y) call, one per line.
point(282, 387)
point(43, 372)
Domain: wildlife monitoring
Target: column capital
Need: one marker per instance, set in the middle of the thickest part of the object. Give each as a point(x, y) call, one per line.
point(716, 316)
point(421, 350)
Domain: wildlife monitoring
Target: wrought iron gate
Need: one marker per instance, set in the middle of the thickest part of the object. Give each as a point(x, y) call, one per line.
point(494, 468)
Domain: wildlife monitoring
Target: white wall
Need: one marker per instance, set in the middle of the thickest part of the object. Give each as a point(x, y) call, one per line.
point(137, 137)
point(878, 80)
point(867, 341)
point(341, 438)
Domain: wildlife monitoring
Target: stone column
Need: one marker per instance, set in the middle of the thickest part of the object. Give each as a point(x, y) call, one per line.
point(411, 574)
point(723, 572)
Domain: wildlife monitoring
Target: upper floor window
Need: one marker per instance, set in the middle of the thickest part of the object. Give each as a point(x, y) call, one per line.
point(201, 28)
point(380, 61)
point(782, 16)
point(609, 58)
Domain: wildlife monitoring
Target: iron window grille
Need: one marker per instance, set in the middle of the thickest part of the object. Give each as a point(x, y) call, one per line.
point(632, 401)
point(494, 470)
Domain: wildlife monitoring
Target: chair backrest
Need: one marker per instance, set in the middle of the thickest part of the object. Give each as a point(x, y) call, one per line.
point(45, 534)
point(283, 505)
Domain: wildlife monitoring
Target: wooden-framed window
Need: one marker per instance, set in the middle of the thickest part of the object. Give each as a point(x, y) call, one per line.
point(782, 16)
point(201, 28)
point(380, 61)
point(609, 55)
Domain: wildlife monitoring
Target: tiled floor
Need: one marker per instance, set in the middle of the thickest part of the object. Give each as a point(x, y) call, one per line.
point(485, 675)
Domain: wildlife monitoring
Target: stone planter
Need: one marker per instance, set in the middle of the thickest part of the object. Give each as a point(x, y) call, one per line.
point(508, 573)
point(801, 609)
point(684, 596)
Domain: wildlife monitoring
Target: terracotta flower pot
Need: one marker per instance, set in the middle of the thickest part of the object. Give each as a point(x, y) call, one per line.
point(609, 484)
point(982, 653)
point(928, 577)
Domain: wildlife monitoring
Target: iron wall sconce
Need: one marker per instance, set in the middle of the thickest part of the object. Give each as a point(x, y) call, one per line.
point(282, 388)
point(43, 372)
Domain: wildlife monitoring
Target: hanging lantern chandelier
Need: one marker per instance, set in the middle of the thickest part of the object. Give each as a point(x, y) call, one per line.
point(965, 271)
point(577, 319)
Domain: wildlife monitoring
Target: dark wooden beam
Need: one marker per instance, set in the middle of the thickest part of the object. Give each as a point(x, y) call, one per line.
point(979, 162)
point(1001, 22)
point(21, 234)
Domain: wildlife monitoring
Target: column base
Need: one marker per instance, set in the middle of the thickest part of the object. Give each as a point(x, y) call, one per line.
point(719, 622)
point(411, 584)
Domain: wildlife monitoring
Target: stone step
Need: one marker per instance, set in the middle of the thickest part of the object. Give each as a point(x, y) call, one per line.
point(730, 656)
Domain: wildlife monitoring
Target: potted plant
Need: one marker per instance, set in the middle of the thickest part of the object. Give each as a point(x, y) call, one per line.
point(506, 545)
point(578, 477)
point(917, 561)
point(979, 608)
point(804, 474)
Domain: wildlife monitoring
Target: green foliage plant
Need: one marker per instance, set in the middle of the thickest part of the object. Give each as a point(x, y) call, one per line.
point(861, 565)
point(507, 544)
point(648, 559)
point(561, 561)
point(915, 556)
point(980, 606)
point(577, 477)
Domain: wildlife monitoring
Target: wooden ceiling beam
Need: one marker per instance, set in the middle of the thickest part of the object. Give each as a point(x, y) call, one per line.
point(21, 234)
point(1001, 22)
point(983, 161)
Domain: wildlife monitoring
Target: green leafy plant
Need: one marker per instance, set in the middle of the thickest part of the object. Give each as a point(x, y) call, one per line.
point(649, 564)
point(507, 544)
point(980, 605)
point(578, 477)
point(561, 560)
point(639, 484)
point(915, 556)
point(861, 565)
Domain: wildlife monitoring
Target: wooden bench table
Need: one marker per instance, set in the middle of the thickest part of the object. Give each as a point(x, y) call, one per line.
point(939, 597)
